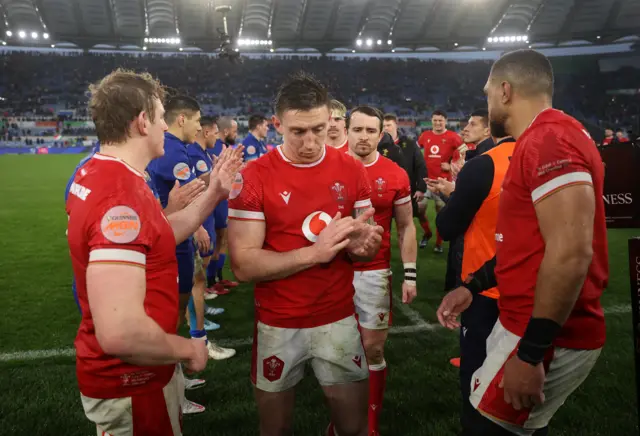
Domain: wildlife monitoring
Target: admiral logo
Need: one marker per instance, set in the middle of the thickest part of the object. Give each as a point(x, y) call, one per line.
point(79, 191)
point(120, 224)
point(618, 199)
point(499, 237)
point(476, 384)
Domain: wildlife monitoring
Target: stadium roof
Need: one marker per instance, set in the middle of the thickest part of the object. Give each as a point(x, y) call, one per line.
point(325, 25)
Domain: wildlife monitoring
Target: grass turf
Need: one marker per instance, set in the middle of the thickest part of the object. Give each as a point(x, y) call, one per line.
point(37, 312)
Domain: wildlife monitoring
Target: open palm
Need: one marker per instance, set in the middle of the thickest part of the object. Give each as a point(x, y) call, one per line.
point(226, 169)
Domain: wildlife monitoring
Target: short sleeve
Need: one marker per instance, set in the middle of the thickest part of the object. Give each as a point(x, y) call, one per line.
point(553, 160)
point(121, 230)
point(421, 140)
point(403, 194)
point(363, 189)
point(246, 201)
point(175, 165)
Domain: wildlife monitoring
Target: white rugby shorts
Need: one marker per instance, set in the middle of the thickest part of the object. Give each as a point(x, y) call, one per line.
point(568, 368)
point(334, 351)
point(154, 413)
point(373, 298)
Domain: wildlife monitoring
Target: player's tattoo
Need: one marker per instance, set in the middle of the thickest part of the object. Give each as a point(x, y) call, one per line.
point(359, 211)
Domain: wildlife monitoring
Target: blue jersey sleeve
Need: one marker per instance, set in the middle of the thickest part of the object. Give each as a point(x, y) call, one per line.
point(73, 176)
point(200, 160)
point(252, 148)
point(174, 165)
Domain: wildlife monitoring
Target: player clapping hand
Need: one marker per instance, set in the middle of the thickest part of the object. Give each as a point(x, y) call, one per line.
point(225, 170)
point(365, 238)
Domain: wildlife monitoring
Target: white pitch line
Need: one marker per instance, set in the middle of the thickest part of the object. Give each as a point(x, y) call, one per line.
point(410, 313)
point(620, 308)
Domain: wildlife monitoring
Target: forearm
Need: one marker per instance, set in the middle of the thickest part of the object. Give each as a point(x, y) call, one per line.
point(482, 279)
point(185, 222)
point(143, 342)
point(260, 265)
point(560, 279)
point(407, 243)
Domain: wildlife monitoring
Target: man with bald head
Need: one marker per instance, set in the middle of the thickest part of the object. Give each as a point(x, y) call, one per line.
point(227, 136)
point(551, 262)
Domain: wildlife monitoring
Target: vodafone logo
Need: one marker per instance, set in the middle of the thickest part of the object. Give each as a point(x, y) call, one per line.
point(435, 149)
point(314, 224)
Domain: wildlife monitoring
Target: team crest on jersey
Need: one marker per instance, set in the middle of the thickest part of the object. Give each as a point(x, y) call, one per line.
point(272, 368)
point(120, 224)
point(339, 193)
point(435, 150)
point(381, 186)
point(314, 223)
point(202, 166)
point(236, 187)
point(182, 171)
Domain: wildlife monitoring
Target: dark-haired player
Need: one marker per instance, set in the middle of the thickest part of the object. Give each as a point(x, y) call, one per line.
point(439, 145)
point(551, 261)
point(391, 198)
point(254, 143)
point(302, 263)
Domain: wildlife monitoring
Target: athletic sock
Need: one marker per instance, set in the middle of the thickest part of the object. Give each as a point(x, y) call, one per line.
point(438, 239)
point(426, 228)
point(191, 309)
point(331, 430)
point(199, 334)
point(221, 260)
point(377, 384)
point(212, 272)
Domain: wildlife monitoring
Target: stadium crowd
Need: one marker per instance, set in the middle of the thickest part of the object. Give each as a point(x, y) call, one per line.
point(148, 238)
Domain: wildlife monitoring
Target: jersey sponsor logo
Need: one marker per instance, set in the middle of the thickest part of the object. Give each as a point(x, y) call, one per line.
point(499, 237)
point(79, 191)
point(202, 166)
point(236, 187)
point(251, 150)
point(381, 186)
point(314, 223)
point(181, 171)
point(339, 193)
point(285, 196)
point(272, 368)
point(618, 199)
point(435, 151)
point(120, 224)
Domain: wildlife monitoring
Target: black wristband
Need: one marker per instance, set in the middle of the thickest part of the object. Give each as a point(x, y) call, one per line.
point(473, 285)
point(537, 339)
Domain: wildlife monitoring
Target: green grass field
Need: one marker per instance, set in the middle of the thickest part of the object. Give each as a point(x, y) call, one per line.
point(38, 322)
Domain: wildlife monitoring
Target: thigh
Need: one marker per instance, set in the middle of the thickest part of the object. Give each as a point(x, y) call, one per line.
point(348, 405)
point(186, 269)
point(567, 369)
point(279, 356)
point(275, 410)
point(372, 298)
point(337, 353)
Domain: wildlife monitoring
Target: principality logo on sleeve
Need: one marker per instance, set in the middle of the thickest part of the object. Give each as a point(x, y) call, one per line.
point(120, 224)
point(236, 187)
point(181, 171)
point(202, 166)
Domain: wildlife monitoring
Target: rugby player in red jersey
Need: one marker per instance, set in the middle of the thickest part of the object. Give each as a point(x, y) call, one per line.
point(391, 198)
point(439, 145)
point(291, 231)
point(551, 261)
point(122, 250)
point(337, 132)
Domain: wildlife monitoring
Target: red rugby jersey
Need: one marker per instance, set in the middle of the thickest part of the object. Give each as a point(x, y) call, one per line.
point(297, 201)
point(554, 152)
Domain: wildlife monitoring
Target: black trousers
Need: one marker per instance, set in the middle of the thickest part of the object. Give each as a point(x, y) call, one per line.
point(452, 277)
point(476, 325)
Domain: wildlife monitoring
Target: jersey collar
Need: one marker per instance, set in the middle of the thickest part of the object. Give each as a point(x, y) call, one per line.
point(375, 161)
point(309, 165)
point(101, 156)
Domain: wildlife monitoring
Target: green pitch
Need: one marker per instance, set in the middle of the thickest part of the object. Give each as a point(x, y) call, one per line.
point(38, 321)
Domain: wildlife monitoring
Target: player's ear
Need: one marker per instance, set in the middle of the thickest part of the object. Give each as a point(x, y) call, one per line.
point(142, 123)
point(277, 124)
point(507, 92)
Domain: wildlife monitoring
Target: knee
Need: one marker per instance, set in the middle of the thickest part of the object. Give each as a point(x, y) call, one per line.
point(354, 429)
point(375, 352)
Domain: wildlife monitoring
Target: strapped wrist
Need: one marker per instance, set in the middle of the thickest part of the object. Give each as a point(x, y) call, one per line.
point(410, 273)
point(537, 339)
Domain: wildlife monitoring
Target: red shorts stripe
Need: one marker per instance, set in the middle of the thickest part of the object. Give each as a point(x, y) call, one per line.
point(150, 415)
